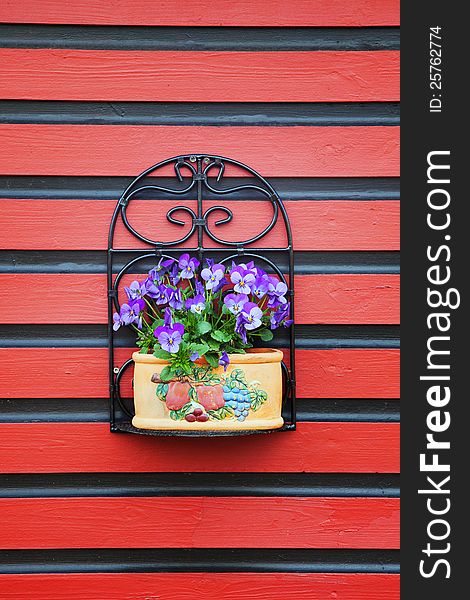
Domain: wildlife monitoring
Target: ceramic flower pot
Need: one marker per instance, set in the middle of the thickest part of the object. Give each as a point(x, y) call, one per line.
point(245, 397)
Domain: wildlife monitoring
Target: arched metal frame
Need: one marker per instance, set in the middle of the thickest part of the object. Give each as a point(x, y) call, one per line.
point(198, 173)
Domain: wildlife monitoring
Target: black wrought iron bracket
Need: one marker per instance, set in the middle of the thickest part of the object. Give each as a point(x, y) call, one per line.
point(199, 177)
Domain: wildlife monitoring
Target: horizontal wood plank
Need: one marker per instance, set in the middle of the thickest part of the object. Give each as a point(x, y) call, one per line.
point(200, 522)
point(79, 299)
point(246, 13)
point(198, 586)
point(127, 150)
point(91, 447)
point(82, 372)
point(83, 224)
point(180, 76)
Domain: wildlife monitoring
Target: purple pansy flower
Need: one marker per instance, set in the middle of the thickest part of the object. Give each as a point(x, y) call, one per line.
point(188, 266)
point(174, 274)
point(280, 317)
point(116, 321)
point(197, 304)
point(174, 298)
point(213, 275)
point(136, 290)
point(163, 265)
point(276, 291)
point(131, 313)
point(155, 275)
point(224, 360)
point(252, 315)
point(260, 286)
point(194, 356)
point(240, 329)
point(151, 286)
point(199, 288)
point(168, 317)
point(244, 267)
point(158, 293)
point(243, 281)
point(169, 337)
point(235, 302)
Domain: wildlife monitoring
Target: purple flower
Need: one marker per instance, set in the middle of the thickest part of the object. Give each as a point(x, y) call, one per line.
point(199, 288)
point(174, 274)
point(242, 267)
point(168, 317)
point(174, 298)
point(188, 266)
point(280, 317)
point(276, 291)
point(163, 265)
point(151, 286)
point(252, 315)
point(212, 275)
point(235, 302)
point(155, 276)
point(136, 290)
point(224, 360)
point(131, 313)
point(197, 304)
point(243, 281)
point(169, 337)
point(158, 293)
point(194, 356)
point(260, 286)
point(240, 329)
point(248, 319)
point(116, 321)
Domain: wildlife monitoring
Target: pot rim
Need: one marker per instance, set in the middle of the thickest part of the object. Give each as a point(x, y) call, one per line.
point(252, 356)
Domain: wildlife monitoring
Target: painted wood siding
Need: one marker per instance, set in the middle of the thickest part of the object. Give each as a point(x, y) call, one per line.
point(90, 94)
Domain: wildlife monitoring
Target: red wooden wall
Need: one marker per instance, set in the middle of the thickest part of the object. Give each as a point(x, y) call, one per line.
point(91, 93)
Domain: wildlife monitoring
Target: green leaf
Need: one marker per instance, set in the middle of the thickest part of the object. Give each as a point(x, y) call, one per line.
point(266, 335)
point(186, 369)
point(201, 349)
point(258, 397)
point(233, 350)
point(221, 413)
point(203, 327)
point(212, 359)
point(178, 415)
point(167, 373)
point(213, 345)
point(220, 335)
point(144, 350)
point(161, 391)
point(160, 353)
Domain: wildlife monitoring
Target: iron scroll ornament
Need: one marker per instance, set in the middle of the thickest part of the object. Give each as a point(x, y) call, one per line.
point(200, 177)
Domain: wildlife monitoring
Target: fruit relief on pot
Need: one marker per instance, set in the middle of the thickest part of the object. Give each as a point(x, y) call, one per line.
point(195, 320)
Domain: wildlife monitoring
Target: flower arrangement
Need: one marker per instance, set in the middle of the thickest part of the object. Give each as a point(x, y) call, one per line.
point(182, 312)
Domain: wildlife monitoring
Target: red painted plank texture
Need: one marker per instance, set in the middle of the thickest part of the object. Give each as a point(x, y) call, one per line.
point(125, 150)
point(200, 522)
point(199, 586)
point(76, 298)
point(175, 76)
point(83, 224)
point(90, 447)
point(82, 373)
point(245, 13)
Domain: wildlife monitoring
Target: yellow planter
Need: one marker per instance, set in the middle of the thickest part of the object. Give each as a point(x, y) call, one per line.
point(247, 396)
